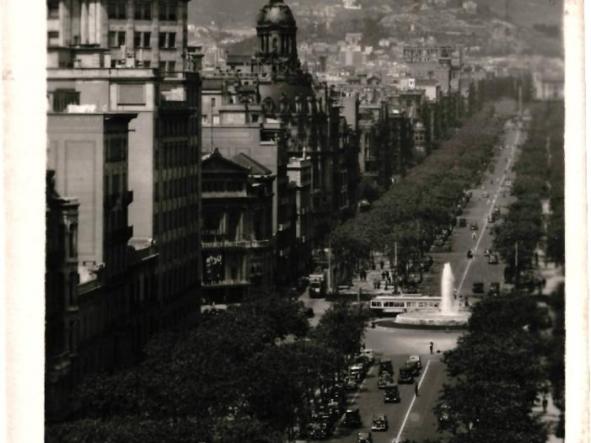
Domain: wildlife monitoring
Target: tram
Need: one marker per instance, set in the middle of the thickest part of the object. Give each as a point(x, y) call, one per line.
point(396, 304)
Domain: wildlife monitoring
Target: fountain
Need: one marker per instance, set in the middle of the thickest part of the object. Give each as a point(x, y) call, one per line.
point(449, 313)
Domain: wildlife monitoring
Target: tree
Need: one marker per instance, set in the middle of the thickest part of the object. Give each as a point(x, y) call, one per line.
point(341, 330)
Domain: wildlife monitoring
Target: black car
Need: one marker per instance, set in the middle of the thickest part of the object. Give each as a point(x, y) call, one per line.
point(386, 366)
point(352, 418)
point(392, 394)
point(406, 374)
point(364, 437)
point(478, 288)
point(494, 289)
point(462, 222)
point(469, 254)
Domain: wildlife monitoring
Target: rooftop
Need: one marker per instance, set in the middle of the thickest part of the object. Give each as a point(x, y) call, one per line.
point(251, 164)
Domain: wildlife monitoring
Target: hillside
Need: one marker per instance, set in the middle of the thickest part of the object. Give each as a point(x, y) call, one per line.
point(534, 25)
point(524, 13)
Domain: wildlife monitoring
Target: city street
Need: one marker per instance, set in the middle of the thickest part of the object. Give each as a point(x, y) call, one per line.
point(491, 194)
point(413, 417)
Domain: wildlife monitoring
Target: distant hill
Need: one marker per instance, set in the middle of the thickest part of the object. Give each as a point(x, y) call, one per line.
point(227, 12)
point(538, 22)
point(526, 13)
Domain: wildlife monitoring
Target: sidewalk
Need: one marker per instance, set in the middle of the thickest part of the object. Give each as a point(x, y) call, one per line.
point(367, 285)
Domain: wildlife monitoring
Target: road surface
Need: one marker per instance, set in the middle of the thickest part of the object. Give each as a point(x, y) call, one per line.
point(413, 417)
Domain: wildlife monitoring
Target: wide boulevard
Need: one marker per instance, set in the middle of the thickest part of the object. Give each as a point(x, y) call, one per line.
point(413, 417)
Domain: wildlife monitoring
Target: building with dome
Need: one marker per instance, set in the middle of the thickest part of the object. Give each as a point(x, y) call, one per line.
point(311, 124)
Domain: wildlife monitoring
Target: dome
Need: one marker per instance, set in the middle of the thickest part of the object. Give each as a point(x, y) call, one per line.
point(419, 126)
point(275, 13)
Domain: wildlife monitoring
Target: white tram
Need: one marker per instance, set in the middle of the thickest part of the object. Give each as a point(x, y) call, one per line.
point(396, 304)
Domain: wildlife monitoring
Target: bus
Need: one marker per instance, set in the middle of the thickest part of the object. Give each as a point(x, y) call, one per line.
point(396, 304)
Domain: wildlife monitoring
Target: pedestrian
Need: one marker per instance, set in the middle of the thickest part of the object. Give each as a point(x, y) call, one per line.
point(545, 403)
point(474, 236)
point(382, 264)
point(417, 389)
point(431, 347)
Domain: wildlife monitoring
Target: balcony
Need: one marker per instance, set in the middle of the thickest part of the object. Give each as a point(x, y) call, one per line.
point(211, 242)
point(227, 283)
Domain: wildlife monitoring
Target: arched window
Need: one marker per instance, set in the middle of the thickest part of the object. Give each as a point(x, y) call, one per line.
point(275, 45)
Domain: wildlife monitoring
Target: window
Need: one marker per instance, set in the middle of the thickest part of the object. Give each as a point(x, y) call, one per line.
point(53, 9)
point(117, 9)
point(142, 39)
point(121, 38)
point(168, 10)
point(172, 39)
point(171, 66)
point(64, 97)
point(53, 38)
point(143, 10)
point(172, 7)
point(162, 40)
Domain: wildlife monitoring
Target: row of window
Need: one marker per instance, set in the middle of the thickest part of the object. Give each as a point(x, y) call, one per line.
point(166, 40)
point(175, 154)
point(117, 9)
point(175, 127)
point(222, 186)
point(179, 248)
point(176, 188)
point(175, 218)
point(115, 183)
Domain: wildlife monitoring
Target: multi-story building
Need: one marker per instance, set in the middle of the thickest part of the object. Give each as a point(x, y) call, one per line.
point(61, 297)
point(129, 33)
point(237, 233)
point(88, 41)
point(299, 171)
point(111, 287)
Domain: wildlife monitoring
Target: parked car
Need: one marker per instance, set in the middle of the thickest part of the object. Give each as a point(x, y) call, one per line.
point(462, 222)
point(364, 437)
point(494, 288)
point(317, 431)
point(357, 372)
point(392, 394)
point(351, 384)
point(379, 423)
point(469, 254)
point(478, 287)
point(352, 418)
point(493, 259)
point(369, 355)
